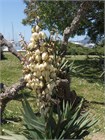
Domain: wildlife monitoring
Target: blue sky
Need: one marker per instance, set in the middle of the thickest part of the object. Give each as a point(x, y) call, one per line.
point(11, 15)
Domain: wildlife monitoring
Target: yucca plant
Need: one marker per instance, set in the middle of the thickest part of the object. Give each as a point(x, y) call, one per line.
point(66, 123)
point(69, 123)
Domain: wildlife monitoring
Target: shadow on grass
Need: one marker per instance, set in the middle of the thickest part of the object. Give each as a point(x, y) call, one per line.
point(26, 93)
point(10, 119)
point(98, 103)
point(89, 69)
point(3, 58)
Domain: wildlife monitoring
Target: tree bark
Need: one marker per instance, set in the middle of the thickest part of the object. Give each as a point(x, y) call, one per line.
point(9, 94)
point(4, 42)
point(74, 24)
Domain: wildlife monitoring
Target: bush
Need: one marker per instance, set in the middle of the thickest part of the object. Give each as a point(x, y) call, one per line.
point(99, 50)
point(73, 49)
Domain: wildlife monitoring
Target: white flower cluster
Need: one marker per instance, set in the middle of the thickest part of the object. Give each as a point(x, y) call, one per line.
point(39, 70)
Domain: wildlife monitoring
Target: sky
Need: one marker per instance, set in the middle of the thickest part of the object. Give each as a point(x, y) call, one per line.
point(11, 15)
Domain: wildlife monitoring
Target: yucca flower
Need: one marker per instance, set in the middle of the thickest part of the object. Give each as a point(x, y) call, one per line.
point(40, 71)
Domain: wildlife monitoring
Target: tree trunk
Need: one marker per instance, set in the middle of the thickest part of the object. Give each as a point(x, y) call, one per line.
point(74, 24)
point(1, 54)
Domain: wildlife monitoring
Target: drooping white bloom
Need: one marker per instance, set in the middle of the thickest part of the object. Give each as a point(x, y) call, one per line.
point(32, 39)
point(41, 84)
point(38, 58)
point(30, 45)
point(37, 28)
point(32, 85)
point(35, 35)
point(27, 77)
point(45, 56)
point(42, 35)
point(41, 67)
point(37, 52)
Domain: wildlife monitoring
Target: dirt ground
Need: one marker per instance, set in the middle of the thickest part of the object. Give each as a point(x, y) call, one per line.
point(97, 136)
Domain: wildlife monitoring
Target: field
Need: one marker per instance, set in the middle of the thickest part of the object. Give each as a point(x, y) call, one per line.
point(86, 79)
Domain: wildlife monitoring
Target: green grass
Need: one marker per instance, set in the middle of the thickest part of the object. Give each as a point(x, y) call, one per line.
point(86, 81)
point(10, 69)
point(10, 73)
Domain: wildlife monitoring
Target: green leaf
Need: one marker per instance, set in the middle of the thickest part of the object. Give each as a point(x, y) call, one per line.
point(12, 136)
point(34, 126)
point(7, 138)
point(28, 110)
point(64, 65)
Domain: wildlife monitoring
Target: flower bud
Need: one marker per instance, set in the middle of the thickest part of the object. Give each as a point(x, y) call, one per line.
point(38, 58)
point(34, 73)
point(41, 77)
point(49, 86)
point(37, 80)
point(42, 35)
point(43, 93)
point(32, 85)
point(41, 67)
point(41, 84)
point(52, 57)
point(35, 35)
point(37, 28)
point(27, 85)
point(37, 52)
point(44, 56)
point(38, 17)
point(32, 39)
point(35, 46)
point(42, 49)
point(45, 65)
point(30, 45)
point(33, 30)
point(27, 77)
point(31, 59)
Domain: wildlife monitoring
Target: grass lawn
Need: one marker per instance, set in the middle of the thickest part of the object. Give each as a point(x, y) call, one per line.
point(86, 81)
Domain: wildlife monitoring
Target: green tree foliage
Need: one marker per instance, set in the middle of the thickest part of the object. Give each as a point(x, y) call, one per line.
point(59, 15)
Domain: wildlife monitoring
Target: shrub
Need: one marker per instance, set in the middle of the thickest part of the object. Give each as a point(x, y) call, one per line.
point(73, 49)
point(67, 123)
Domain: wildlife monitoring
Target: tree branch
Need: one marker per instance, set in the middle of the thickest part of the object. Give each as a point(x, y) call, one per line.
point(4, 42)
point(10, 93)
point(74, 24)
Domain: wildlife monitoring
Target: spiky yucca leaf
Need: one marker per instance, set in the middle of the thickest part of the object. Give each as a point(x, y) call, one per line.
point(12, 136)
point(71, 124)
point(35, 127)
